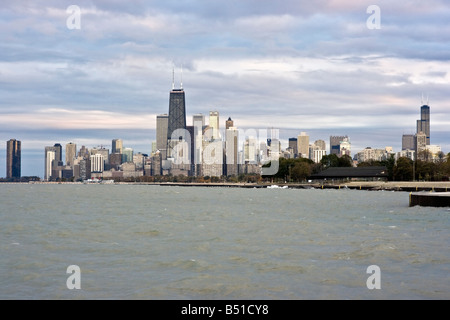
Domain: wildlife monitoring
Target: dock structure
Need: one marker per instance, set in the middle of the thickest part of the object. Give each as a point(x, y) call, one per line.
point(429, 199)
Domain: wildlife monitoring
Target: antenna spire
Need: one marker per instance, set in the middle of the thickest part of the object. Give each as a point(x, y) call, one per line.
point(173, 77)
point(422, 99)
point(428, 100)
point(181, 76)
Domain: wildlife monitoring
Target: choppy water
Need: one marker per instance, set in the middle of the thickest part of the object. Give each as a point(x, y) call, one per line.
point(152, 242)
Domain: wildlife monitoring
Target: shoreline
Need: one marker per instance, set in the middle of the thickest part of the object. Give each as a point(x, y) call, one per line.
point(353, 185)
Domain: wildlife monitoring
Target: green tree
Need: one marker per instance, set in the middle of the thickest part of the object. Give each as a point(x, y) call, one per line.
point(390, 164)
point(300, 171)
point(403, 170)
point(330, 160)
point(345, 161)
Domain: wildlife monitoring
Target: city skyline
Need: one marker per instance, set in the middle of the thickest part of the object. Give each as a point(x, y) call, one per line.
point(300, 67)
point(255, 150)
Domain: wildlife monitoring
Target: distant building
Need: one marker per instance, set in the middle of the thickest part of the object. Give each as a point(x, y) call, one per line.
point(408, 142)
point(117, 146)
point(369, 154)
point(198, 118)
point(214, 124)
point(335, 144)
point(127, 155)
point(303, 145)
point(82, 168)
point(321, 144)
point(13, 159)
point(198, 121)
point(71, 153)
point(271, 150)
point(129, 170)
point(231, 151)
point(156, 164)
point(97, 163)
point(177, 119)
point(251, 150)
point(162, 122)
point(212, 164)
point(105, 153)
point(421, 142)
point(423, 125)
point(410, 154)
point(288, 153)
point(52, 161)
point(316, 152)
point(58, 150)
point(84, 152)
point(139, 160)
point(434, 151)
point(229, 123)
point(115, 160)
point(345, 147)
point(293, 145)
point(49, 158)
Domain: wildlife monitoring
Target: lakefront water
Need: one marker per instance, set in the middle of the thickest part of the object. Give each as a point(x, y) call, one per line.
point(154, 242)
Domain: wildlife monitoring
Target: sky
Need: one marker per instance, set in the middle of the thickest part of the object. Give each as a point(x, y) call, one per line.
point(293, 65)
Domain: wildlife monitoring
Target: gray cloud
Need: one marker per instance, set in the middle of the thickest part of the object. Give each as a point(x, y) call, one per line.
point(296, 65)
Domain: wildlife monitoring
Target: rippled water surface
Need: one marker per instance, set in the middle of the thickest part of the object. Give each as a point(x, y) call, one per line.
point(153, 242)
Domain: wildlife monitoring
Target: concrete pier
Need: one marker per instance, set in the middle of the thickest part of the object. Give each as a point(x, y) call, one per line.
point(429, 199)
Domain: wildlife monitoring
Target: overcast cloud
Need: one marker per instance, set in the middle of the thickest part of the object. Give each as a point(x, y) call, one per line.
point(297, 66)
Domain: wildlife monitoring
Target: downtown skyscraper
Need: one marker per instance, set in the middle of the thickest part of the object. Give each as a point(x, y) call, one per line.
point(176, 118)
point(423, 125)
point(162, 122)
point(13, 159)
point(71, 152)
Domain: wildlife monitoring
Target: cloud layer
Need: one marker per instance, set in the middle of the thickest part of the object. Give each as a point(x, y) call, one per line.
point(296, 65)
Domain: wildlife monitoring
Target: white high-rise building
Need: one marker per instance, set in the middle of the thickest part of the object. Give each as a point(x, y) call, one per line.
point(50, 156)
point(214, 124)
point(345, 147)
point(251, 150)
point(316, 152)
point(198, 121)
point(97, 163)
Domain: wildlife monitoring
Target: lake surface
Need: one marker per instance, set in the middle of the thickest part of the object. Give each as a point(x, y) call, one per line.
point(158, 242)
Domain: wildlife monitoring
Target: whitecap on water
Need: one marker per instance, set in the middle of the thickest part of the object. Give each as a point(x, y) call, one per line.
point(392, 227)
point(15, 244)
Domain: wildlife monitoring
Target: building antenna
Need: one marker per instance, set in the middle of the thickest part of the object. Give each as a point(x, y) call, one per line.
point(173, 77)
point(422, 99)
point(181, 76)
point(428, 100)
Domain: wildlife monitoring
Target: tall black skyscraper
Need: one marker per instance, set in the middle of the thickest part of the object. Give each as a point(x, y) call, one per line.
point(13, 158)
point(58, 148)
point(177, 117)
point(177, 112)
point(423, 125)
